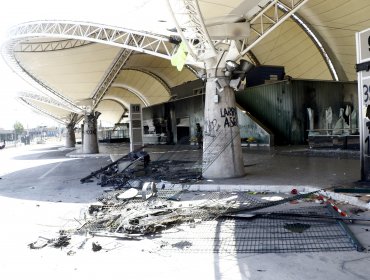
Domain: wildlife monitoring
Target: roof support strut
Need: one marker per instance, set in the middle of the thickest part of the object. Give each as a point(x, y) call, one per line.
point(267, 20)
point(190, 25)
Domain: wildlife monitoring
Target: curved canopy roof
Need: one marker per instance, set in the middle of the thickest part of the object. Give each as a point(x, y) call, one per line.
point(76, 62)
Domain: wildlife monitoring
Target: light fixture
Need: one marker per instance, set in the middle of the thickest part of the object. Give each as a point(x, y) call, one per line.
point(245, 66)
point(231, 65)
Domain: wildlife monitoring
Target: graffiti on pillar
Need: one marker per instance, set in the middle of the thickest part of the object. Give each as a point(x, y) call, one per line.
point(219, 134)
point(211, 127)
point(90, 122)
point(230, 116)
point(216, 147)
point(71, 127)
point(90, 131)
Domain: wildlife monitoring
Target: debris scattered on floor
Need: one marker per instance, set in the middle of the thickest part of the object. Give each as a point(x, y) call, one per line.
point(147, 199)
point(135, 214)
point(38, 244)
point(62, 241)
point(137, 166)
point(182, 245)
point(108, 174)
point(294, 191)
point(71, 253)
point(96, 246)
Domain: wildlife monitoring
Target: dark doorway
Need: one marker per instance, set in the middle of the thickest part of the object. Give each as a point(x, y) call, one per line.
point(183, 135)
point(183, 130)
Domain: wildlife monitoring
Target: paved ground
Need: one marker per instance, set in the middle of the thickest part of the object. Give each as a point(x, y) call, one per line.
point(267, 166)
point(40, 193)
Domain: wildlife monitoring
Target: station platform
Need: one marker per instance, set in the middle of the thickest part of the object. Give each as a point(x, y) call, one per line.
point(41, 185)
point(275, 169)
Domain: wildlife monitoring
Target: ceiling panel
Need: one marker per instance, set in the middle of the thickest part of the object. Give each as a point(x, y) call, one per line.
point(72, 72)
point(144, 84)
point(161, 68)
point(123, 95)
point(337, 21)
point(111, 111)
point(290, 47)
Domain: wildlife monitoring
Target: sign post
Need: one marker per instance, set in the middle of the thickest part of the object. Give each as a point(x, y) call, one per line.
point(363, 77)
point(136, 128)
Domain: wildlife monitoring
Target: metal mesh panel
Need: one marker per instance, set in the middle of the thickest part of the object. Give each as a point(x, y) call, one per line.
point(261, 235)
point(194, 222)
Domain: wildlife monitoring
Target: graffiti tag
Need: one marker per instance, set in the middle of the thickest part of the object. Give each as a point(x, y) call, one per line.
point(211, 127)
point(230, 115)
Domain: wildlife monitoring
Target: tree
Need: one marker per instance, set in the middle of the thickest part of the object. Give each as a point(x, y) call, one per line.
point(18, 128)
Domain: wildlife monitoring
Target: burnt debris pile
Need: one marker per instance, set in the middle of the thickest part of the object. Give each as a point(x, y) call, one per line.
point(209, 221)
point(135, 168)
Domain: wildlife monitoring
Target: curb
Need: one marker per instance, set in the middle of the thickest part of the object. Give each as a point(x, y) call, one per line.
point(266, 188)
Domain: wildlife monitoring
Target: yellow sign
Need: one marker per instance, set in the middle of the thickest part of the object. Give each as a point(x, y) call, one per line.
point(179, 58)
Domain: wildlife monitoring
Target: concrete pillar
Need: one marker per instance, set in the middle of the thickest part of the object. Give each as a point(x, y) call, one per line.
point(173, 123)
point(90, 136)
point(70, 136)
point(222, 152)
point(82, 133)
point(136, 127)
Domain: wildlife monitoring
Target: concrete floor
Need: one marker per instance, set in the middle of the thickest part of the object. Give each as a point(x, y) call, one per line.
point(40, 193)
point(289, 165)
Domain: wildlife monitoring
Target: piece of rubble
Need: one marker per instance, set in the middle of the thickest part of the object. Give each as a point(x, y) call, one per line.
point(149, 189)
point(128, 194)
point(96, 247)
point(61, 241)
point(38, 244)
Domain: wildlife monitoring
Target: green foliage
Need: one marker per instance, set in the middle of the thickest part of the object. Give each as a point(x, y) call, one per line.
point(18, 128)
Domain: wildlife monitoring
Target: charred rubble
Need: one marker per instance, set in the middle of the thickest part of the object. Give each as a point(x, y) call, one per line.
point(146, 197)
point(137, 167)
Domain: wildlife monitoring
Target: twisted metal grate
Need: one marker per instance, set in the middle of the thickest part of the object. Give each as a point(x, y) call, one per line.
point(261, 235)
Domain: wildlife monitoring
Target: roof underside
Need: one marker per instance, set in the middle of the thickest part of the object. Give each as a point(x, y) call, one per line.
point(77, 73)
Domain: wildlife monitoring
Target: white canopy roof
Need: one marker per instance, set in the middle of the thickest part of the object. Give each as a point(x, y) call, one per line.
point(316, 42)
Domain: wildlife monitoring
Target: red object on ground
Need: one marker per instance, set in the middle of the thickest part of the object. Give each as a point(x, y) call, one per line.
point(294, 191)
point(331, 203)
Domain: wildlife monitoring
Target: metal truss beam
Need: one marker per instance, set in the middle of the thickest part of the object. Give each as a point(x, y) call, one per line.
point(191, 28)
point(42, 98)
point(114, 70)
point(124, 38)
point(78, 34)
point(253, 58)
point(124, 114)
point(41, 111)
point(50, 46)
point(267, 20)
